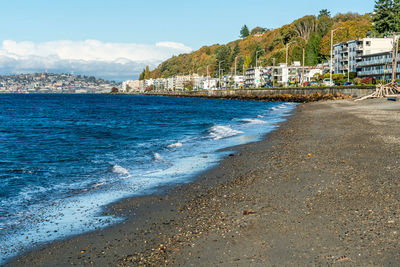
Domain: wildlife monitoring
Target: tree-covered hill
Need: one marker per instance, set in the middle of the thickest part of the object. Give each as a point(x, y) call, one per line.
point(311, 33)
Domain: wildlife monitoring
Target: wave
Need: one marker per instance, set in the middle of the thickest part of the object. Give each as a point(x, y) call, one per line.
point(252, 121)
point(157, 156)
point(175, 145)
point(121, 171)
point(218, 132)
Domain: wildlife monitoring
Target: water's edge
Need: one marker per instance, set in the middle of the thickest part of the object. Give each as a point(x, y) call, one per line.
point(146, 199)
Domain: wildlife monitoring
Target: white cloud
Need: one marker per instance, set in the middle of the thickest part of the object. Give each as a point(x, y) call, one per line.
point(90, 57)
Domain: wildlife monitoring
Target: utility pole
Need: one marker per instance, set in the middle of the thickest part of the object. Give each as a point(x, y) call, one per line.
point(331, 68)
point(244, 76)
point(302, 78)
point(219, 73)
point(348, 65)
point(273, 72)
point(208, 80)
point(394, 56)
point(235, 73)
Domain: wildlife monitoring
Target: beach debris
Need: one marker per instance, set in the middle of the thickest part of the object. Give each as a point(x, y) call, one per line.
point(248, 212)
point(310, 155)
point(83, 251)
point(342, 258)
point(392, 89)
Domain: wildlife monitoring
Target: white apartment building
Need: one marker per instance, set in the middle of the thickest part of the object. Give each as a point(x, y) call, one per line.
point(253, 78)
point(171, 83)
point(160, 84)
point(347, 55)
point(210, 83)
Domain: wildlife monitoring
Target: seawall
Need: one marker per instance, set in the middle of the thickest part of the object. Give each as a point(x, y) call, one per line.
point(276, 94)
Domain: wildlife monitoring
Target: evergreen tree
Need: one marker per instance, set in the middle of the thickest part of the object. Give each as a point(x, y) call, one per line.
point(324, 13)
point(141, 76)
point(239, 65)
point(147, 73)
point(312, 50)
point(386, 16)
point(244, 32)
point(235, 52)
point(223, 53)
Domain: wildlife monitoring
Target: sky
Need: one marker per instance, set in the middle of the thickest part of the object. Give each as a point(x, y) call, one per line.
point(115, 39)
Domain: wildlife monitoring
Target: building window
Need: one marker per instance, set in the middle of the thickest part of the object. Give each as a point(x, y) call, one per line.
point(368, 43)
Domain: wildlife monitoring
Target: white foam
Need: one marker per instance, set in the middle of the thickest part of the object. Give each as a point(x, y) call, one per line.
point(252, 121)
point(121, 171)
point(218, 132)
point(175, 145)
point(157, 156)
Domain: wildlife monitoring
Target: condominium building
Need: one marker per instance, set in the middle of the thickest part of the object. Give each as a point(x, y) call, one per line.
point(160, 84)
point(347, 55)
point(253, 77)
point(378, 66)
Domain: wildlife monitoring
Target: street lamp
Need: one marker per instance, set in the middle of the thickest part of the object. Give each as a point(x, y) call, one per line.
point(219, 72)
point(235, 72)
point(331, 68)
point(287, 51)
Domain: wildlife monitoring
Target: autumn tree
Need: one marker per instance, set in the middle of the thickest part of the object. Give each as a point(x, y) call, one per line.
point(244, 32)
point(305, 26)
point(257, 30)
point(247, 62)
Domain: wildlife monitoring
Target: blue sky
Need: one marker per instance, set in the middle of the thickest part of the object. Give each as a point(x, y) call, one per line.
point(184, 24)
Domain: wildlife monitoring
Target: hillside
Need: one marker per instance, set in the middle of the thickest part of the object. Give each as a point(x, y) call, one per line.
point(310, 32)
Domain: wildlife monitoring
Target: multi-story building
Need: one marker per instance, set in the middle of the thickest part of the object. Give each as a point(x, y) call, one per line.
point(210, 83)
point(253, 77)
point(131, 86)
point(348, 54)
point(160, 84)
point(378, 66)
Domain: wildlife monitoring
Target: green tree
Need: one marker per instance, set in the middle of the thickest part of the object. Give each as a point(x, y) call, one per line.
point(244, 32)
point(386, 16)
point(146, 75)
point(223, 53)
point(324, 13)
point(240, 63)
point(324, 25)
point(235, 52)
point(141, 76)
point(312, 50)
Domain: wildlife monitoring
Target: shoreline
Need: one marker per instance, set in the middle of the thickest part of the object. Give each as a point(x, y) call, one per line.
point(304, 195)
point(142, 204)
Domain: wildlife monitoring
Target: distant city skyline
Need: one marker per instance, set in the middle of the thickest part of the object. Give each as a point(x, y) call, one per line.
point(119, 37)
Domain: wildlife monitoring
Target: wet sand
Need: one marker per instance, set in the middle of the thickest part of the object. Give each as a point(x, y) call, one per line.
point(323, 189)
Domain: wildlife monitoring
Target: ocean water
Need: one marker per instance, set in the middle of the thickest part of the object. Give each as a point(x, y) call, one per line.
point(63, 157)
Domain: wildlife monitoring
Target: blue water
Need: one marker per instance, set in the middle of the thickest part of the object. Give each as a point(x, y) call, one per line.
point(63, 157)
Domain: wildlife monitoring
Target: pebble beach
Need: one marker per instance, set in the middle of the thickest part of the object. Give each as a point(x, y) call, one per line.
point(322, 189)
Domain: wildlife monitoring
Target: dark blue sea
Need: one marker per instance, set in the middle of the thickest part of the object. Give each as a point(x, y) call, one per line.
point(63, 157)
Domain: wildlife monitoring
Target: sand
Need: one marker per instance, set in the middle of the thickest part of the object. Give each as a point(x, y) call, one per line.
point(323, 189)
